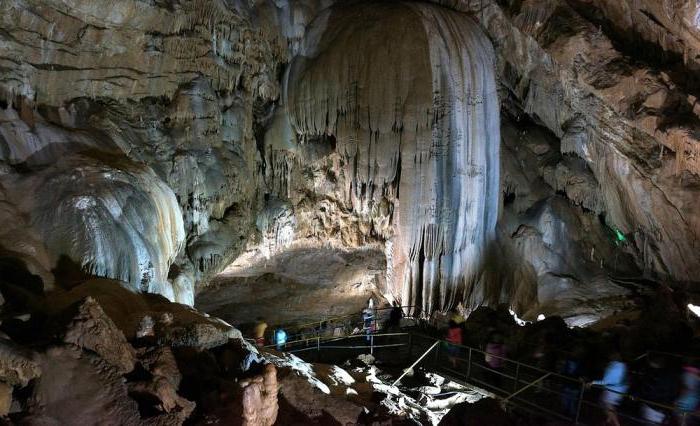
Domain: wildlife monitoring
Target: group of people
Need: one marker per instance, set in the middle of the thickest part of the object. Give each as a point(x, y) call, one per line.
point(259, 329)
point(368, 317)
point(494, 348)
point(655, 386)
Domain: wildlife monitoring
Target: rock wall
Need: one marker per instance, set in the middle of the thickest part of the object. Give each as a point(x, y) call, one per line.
point(161, 141)
point(132, 126)
point(633, 122)
point(432, 137)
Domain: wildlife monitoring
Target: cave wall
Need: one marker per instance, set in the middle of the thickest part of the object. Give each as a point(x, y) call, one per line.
point(414, 114)
point(635, 126)
point(163, 140)
point(132, 126)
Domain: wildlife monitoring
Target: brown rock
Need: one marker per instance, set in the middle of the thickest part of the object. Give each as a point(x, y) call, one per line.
point(162, 390)
point(5, 399)
point(16, 364)
point(92, 329)
point(79, 387)
point(259, 398)
point(160, 361)
point(301, 397)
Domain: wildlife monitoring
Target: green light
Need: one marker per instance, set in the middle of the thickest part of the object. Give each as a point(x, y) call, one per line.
point(620, 236)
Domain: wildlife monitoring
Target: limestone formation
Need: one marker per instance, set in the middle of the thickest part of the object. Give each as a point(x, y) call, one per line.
point(135, 124)
point(294, 158)
point(413, 112)
point(159, 144)
point(259, 398)
point(17, 364)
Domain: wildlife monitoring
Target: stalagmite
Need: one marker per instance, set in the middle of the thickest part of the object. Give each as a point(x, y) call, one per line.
point(408, 91)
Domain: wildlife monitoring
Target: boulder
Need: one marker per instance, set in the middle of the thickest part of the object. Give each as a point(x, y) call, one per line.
point(79, 387)
point(92, 329)
point(17, 365)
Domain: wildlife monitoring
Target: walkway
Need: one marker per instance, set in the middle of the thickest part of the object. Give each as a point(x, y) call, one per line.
point(521, 387)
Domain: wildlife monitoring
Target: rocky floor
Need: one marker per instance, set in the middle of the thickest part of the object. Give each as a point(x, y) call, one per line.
point(299, 284)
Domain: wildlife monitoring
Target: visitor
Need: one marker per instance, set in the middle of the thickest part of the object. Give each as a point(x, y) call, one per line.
point(280, 339)
point(454, 340)
point(368, 321)
point(615, 383)
point(394, 322)
point(571, 389)
point(495, 351)
point(689, 399)
point(259, 332)
point(457, 315)
point(659, 386)
point(543, 357)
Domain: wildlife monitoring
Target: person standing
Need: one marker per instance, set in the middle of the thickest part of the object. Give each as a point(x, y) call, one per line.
point(259, 332)
point(495, 353)
point(280, 338)
point(689, 399)
point(395, 316)
point(454, 340)
point(368, 320)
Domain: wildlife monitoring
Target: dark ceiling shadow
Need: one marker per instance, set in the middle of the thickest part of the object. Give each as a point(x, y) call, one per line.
point(20, 288)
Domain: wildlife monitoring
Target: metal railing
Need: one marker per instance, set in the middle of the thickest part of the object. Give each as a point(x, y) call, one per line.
point(328, 326)
point(332, 349)
point(517, 384)
point(531, 388)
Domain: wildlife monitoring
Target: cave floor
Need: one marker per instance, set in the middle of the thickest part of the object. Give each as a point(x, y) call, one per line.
point(297, 285)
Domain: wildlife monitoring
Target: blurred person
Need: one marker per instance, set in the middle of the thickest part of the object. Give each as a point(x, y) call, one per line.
point(454, 339)
point(259, 331)
point(571, 390)
point(689, 399)
point(495, 352)
point(280, 339)
point(615, 383)
point(394, 322)
point(659, 385)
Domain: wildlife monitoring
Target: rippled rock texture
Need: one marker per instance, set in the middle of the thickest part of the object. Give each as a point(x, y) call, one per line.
point(157, 143)
point(408, 93)
point(127, 139)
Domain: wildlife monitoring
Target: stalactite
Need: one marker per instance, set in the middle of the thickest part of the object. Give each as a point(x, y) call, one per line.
point(409, 87)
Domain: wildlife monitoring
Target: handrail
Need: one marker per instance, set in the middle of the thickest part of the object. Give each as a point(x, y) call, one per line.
point(528, 386)
point(501, 358)
point(331, 319)
point(414, 364)
point(335, 338)
point(435, 341)
point(551, 373)
point(671, 354)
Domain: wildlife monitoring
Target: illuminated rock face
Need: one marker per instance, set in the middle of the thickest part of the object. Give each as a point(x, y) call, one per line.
point(126, 137)
point(110, 216)
point(408, 92)
point(155, 142)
